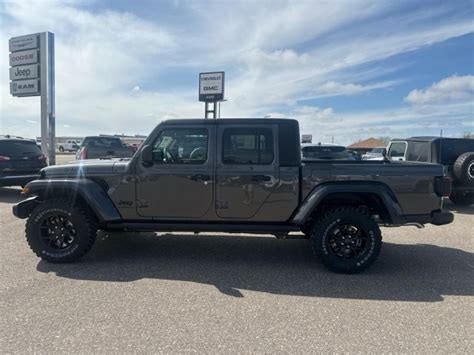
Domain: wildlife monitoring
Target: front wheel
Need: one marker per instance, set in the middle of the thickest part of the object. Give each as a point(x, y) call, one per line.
point(346, 240)
point(60, 232)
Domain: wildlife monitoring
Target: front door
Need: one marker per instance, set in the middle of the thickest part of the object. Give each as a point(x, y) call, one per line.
point(247, 170)
point(179, 183)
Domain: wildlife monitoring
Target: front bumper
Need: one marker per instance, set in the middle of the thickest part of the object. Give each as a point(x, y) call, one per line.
point(17, 180)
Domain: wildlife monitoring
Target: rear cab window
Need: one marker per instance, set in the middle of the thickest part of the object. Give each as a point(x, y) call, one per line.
point(16, 149)
point(419, 151)
point(103, 142)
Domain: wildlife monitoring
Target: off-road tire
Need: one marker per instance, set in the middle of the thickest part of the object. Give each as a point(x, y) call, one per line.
point(462, 199)
point(322, 239)
point(463, 168)
point(81, 218)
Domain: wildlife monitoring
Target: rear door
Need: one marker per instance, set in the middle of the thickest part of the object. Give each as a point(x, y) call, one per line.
point(180, 182)
point(247, 169)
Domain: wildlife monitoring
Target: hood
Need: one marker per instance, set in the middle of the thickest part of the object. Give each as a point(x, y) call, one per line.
point(82, 168)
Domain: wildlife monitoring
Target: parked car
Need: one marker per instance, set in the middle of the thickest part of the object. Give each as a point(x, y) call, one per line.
point(325, 151)
point(354, 154)
point(455, 154)
point(374, 154)
point(232, 175)
point(20, 160)
point(98, 147)
point(69, 146)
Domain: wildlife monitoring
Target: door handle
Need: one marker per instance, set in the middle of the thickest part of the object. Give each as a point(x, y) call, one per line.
point(261, 178)
point(200, 177)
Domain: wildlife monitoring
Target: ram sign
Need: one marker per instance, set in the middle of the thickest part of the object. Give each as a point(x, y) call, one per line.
point(211, 86)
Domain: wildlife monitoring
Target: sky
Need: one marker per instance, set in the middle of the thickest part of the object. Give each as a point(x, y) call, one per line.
point(346, 70)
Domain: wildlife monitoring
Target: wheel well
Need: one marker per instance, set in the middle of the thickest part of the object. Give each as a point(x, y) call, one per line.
point(370, 201)
point(69, 194)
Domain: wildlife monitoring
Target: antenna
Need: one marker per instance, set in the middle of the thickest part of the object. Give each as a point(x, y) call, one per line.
point(440, 145)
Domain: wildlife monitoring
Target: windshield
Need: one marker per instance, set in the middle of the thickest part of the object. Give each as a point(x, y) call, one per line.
point(377, 150)
point(397, 150)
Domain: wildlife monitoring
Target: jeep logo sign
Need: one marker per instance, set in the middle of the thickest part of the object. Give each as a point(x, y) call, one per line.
point(211, 86)
point(24, 72)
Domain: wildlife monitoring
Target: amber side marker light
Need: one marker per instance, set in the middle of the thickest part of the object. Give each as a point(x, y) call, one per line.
point(25, 190)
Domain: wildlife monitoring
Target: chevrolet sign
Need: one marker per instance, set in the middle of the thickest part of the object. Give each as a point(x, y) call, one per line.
point(211, 86)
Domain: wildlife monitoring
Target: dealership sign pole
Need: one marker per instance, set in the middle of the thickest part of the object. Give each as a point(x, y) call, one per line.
point(32, 74)
point(211, 90)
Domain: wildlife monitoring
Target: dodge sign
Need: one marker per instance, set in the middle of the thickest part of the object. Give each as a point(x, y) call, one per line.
point(24, 57)
point(211, 86)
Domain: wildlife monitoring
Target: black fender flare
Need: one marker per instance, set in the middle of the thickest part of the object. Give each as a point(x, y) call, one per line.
point(318, 194)
point(91, 192)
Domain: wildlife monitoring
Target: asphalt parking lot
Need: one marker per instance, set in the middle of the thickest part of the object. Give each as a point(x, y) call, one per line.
point(219, 293)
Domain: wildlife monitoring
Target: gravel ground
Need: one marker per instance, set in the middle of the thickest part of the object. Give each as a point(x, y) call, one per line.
point(237, 293)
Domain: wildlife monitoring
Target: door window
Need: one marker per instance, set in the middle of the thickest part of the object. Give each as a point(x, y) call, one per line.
point(181, 146)
point(397, 150)
point(247, 146)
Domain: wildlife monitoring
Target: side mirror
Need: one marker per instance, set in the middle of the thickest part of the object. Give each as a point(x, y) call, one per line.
point(159, 156)
point(147, 155)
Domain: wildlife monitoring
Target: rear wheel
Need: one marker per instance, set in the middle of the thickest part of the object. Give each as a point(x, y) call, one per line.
point(60, 232)
point(346, 240)
point(462, 199)
point(61, 149)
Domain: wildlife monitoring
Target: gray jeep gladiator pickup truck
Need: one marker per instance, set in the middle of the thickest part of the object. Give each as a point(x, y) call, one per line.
point(232, 175)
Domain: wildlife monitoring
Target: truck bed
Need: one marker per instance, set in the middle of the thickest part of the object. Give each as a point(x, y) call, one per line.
point(411, 182)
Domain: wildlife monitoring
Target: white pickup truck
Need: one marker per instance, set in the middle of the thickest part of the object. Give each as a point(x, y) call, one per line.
point(71, 145)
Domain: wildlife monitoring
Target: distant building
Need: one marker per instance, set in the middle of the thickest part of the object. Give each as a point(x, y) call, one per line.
point(130, 140)
point(366, 145)
point(63, 139)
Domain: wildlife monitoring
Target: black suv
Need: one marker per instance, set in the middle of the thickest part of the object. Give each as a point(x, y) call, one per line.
point(20, 160)
point(455, 154)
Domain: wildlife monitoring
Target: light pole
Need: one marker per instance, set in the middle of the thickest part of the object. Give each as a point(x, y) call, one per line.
point(219, 114)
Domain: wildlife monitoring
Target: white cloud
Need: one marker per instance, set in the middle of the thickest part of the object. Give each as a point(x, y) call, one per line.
point(451, 89)
point(275, 55)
